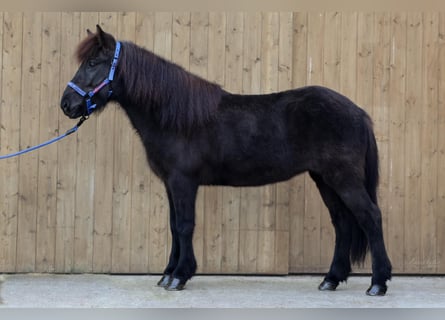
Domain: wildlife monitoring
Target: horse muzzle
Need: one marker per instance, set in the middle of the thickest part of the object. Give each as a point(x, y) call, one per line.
point(72, 109)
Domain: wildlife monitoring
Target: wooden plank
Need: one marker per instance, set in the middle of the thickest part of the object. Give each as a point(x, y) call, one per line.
point(86, 159)
point(297, 189)
point(283, 189)
point(364, 85)
point(250, 197)
point(269, 83)
point(29, 124)
point(365, 61)
point(181, 39)
point(213, 195)
point(440, 225)
point(159, 235)
point(123, 162)
point(348, 79)
point(9, 136)
point(429, 111)
point(140, 200)
point(231, 196)
point(47, 172)
point(412, 141)
point(199, 39)
point(381, 71)
point(331, 79)
point(67, 151)
point(313, 202)
point(103, 180)
point(397, 85)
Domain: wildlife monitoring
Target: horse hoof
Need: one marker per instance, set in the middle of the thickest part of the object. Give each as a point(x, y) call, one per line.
point(327, 286)
point(175, 285)
point(165, 281)
point(377, 290)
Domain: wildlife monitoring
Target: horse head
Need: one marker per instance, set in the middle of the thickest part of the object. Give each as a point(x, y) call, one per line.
point(90, 88)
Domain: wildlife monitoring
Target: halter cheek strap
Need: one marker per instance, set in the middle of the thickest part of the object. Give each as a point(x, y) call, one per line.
point(89, 95)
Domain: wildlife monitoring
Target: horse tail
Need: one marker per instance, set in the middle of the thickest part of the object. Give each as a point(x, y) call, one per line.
point(359, 246)
point(371, 163)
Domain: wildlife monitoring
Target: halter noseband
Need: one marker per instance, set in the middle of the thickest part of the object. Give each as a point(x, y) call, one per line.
point(89, 96)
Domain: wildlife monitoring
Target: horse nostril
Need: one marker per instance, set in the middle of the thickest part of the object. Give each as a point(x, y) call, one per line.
point(65, 104)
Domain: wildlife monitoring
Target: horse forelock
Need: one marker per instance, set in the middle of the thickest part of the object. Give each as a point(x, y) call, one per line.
point(86, 48)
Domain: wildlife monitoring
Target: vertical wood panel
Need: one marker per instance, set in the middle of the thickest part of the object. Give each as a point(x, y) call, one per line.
point(365, 75)
point(140, 182)
point(123, 166)
point(28, 165)
point(231, 196)
point(67, 152)
point(283, 189)
point(331, 79)
point(413, 127)
point(159, 228)
point(140, 200)
point(313, 203)
point(348, 79)
point(397, 87)
point(85, 178)
point(214, 195)
point(199, 35)
point(269, 83)
point(428, 142)
point(103, 180)
point(9, 136)
point(47, 173)
point(297, 185)
point(440, 205)
point(250, 197)
point(381, 93)
point(180, 54)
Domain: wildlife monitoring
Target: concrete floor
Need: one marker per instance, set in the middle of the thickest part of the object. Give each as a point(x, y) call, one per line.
point(97, 291)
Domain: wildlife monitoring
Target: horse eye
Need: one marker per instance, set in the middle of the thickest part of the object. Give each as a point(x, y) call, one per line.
point(91, 63)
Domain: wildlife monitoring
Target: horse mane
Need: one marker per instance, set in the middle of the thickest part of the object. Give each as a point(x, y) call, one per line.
point(178, 99)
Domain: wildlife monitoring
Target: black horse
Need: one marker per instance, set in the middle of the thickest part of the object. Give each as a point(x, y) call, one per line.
point(195, 133)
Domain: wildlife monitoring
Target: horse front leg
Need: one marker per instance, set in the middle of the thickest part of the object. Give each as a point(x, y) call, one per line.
point(182, 263)
point(174, 252)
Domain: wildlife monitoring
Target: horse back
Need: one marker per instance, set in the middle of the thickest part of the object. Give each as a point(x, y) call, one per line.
point(261, 139)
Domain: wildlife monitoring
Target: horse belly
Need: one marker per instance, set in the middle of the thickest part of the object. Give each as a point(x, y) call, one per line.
point(258, 171)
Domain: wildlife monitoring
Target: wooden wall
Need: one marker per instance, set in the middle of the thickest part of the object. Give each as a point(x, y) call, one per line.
point(90, 204)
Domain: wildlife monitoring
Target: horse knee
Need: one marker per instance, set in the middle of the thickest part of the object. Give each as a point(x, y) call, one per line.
point(185, 228)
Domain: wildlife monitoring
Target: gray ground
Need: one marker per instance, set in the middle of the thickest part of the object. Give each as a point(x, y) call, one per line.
point(97, 291)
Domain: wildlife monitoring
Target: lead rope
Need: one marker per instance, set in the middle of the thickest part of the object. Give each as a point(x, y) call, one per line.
point(43, 144)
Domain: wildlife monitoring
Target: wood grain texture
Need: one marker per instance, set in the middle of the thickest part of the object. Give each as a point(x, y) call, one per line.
point(91, 204)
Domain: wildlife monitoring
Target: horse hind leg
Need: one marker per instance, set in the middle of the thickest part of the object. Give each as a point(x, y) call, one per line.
point(341, 264)
point(368, 216)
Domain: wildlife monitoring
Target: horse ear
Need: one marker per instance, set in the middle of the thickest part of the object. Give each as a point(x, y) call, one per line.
point(99, 29)
point(89, 32)
point(105, 40)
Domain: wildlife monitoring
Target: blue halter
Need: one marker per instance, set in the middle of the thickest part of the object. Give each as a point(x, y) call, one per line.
point(89, 96)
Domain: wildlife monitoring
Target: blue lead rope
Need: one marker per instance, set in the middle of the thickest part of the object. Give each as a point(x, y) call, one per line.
point(89, 105)
point(67, 133)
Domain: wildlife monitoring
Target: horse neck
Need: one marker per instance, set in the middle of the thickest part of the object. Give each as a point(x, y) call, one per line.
point(135, 84)
point(154, 90)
